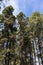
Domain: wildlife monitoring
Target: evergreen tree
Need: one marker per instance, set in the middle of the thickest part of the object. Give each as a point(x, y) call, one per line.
point(8, 38)
point(25, 41)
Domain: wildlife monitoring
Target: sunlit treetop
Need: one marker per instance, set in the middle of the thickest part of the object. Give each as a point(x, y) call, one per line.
point(36, 16)
point(8, 9)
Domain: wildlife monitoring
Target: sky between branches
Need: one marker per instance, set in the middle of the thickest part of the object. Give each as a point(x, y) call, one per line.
point(26, 6)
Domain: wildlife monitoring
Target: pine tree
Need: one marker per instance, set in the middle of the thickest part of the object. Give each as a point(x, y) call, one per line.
point(8, 38)
point(25, 40)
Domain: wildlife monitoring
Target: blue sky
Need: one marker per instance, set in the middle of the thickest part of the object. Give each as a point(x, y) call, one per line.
point(29, 6)
point(26, 6)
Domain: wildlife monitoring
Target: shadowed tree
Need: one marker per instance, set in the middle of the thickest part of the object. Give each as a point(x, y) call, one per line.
point(8, 38)
point(25, 42)
point(36, 26)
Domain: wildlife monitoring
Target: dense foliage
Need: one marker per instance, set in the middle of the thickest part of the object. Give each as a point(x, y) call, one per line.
point(17, 45)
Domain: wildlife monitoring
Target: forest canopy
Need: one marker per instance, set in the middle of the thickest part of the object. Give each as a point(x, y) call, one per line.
point(20, 38)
